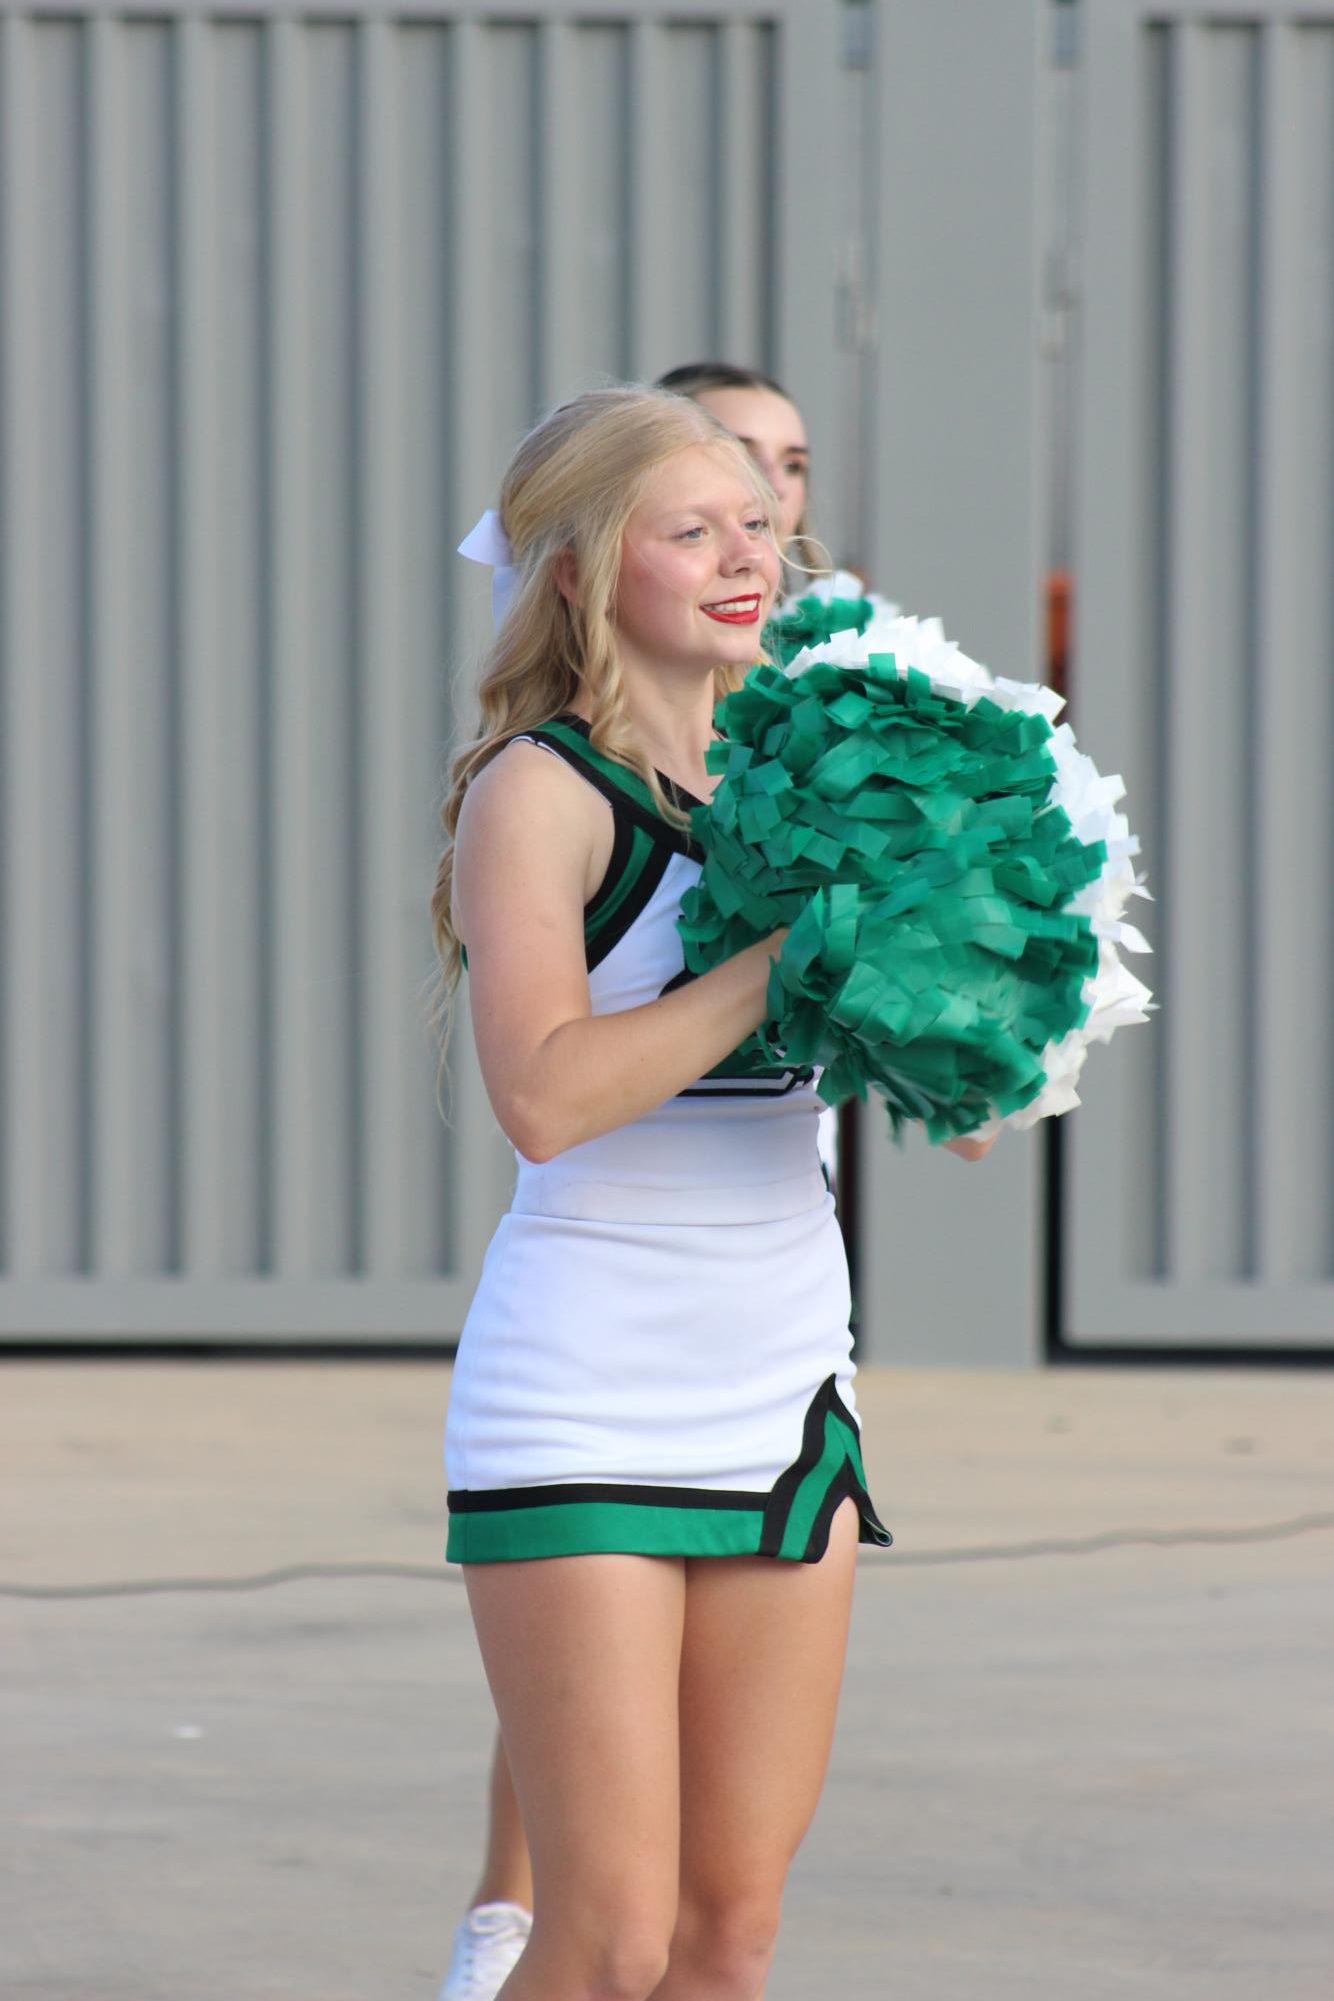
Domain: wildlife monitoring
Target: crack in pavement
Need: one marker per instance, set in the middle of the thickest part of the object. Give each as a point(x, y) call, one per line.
point(296, 1573)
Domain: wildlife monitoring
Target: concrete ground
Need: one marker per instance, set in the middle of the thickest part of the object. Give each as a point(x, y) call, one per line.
point(1086, 1749)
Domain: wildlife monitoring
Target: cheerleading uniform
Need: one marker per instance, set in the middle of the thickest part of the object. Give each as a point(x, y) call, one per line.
point(657, 1358)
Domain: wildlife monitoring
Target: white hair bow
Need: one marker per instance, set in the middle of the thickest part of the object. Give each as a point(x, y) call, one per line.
point(488, 543)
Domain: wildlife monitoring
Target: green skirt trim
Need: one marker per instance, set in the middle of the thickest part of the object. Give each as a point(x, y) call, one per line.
point(791, 1521)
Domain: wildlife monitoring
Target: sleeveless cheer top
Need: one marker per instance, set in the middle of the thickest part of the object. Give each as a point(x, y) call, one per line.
point(761, 1160)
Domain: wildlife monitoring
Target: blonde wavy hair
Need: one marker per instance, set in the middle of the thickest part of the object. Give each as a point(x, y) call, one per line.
point(571, 487)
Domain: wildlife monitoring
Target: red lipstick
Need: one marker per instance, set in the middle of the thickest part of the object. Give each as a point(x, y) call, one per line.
point(741, 610)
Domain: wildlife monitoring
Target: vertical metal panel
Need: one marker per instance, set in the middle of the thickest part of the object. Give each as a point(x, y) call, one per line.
point(317, 903)
point(224, 522)
point(692, 190)
point(1203, 676)
point(47, 715)
point(740, 204)
point(959, 533)
point(512, 171)
point(1200, 1179)
point(600, 279)
point(1294, 1068)
point(123, 764)
point(799, 73)
point(302, 1188)
point(213, 944)
point(16, 617)
point(428, 467)
point(562, 364)
point(385, 1166)
point(1124, 266)
point(131, 652)
point(1148, 642)
point(333, 808)
point(477, 447)
point(480, 448)
point(652, 344)
point(151, 341)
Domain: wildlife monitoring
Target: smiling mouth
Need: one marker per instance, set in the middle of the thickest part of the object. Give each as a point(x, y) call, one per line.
point(735, 611)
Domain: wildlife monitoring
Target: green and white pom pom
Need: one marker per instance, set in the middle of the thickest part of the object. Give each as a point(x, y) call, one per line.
point(952, 868)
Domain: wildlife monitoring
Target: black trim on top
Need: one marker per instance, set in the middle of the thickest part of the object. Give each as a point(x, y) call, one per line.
point(676, 838)
point(762, 1087)
point(500, 1500)
point(844, 1486)
point(622, 840)
point(785, 1487)
point(626, 815)
point(772, 1083)
point(619, 801)
point(636, 902)
point(676, 793)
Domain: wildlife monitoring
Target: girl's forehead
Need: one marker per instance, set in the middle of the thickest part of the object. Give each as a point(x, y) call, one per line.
point(757, 414)
point(699, 476)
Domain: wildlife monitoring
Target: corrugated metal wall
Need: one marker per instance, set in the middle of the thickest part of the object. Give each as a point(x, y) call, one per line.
point(278, 292)
point(1201, 1185)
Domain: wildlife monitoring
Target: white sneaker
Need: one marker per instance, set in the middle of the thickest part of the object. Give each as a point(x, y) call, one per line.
point(486, 1947)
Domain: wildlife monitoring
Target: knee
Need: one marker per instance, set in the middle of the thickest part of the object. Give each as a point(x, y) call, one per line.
point(617, 1955)
point(628, 1962)
point(728, 1943)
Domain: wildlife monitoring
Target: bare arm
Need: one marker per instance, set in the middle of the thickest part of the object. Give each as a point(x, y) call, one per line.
point(526, 859)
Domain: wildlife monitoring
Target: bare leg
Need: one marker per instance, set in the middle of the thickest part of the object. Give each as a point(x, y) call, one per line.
point(507, 1870)
point(762, 1664)
point(583, 1654)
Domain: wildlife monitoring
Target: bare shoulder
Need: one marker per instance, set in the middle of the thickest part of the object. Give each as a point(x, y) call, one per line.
point(529, 789)
point(530, 823)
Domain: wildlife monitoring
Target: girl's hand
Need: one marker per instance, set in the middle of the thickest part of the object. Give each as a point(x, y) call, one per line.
point(970, 1149)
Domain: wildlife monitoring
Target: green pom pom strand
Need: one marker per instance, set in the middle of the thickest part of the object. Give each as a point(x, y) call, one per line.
point(813, 621)
point(905, 838)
